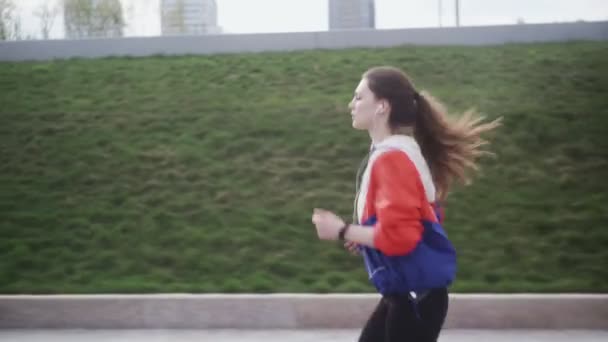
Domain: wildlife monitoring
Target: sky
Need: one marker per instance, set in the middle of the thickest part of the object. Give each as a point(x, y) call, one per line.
point(262, 16)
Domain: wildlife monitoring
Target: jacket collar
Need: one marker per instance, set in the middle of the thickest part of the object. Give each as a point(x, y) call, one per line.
point(397, 141)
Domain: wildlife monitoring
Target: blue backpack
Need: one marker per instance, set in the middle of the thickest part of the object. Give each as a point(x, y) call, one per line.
point(432, 264)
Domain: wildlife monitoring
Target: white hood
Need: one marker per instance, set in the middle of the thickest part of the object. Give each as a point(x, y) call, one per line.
point(408, 145)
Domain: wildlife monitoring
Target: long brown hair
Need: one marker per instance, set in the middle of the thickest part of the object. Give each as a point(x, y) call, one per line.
point(449, 146)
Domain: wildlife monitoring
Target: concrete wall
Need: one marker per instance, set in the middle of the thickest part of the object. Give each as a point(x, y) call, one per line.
point(211, 44)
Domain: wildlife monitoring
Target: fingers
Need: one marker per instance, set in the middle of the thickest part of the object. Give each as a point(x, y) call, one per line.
point(319, 215)
point(352, 247)
point(316, 215)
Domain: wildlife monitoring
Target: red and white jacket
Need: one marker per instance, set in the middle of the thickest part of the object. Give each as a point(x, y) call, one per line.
point(396, 188)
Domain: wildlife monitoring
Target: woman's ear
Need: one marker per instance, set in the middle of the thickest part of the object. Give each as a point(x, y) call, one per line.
point(384, 107)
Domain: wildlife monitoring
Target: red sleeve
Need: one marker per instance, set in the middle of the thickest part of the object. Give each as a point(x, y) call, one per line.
point(397, 200)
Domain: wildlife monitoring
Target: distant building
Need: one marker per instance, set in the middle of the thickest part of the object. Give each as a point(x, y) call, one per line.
point(93, 19)
point(351, 14)
point(190, 17)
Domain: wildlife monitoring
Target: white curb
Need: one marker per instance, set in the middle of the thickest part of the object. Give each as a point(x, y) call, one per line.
point(290, 311)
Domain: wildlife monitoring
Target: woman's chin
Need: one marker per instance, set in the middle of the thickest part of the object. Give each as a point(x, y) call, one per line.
point(357, 125)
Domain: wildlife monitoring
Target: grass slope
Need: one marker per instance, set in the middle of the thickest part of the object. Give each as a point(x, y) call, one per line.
point(199, 174)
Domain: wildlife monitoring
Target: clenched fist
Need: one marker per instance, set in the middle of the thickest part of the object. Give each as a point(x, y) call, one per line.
point(328, 224)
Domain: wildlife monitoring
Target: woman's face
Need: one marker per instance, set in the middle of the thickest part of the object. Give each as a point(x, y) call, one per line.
point(363, 107)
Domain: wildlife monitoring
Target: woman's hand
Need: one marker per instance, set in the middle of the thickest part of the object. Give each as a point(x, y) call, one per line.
point(352, 247)
point(328, 224)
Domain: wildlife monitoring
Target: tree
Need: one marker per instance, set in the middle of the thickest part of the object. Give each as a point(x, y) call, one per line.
point(46, 14)
point(6, 14)
point(93, 18)
point(129, 12)
point(173, 18)
point(10, 25)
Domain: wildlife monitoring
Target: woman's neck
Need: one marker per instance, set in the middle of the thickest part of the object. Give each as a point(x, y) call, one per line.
point(379, 134)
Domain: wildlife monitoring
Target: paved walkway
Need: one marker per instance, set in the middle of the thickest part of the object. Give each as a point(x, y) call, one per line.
point(449, 335)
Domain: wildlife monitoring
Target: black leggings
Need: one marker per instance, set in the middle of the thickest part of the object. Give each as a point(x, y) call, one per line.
point(396, 319)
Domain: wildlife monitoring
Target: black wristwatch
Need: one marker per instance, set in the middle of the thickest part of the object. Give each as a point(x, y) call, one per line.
point(343, 231)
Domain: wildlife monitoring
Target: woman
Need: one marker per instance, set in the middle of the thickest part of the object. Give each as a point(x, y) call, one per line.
point(416, 155)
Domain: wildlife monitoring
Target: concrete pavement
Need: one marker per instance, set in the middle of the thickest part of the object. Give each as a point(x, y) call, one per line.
point(449, 335)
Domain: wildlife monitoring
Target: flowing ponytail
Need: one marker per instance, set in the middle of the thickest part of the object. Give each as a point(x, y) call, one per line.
point(449, 146)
